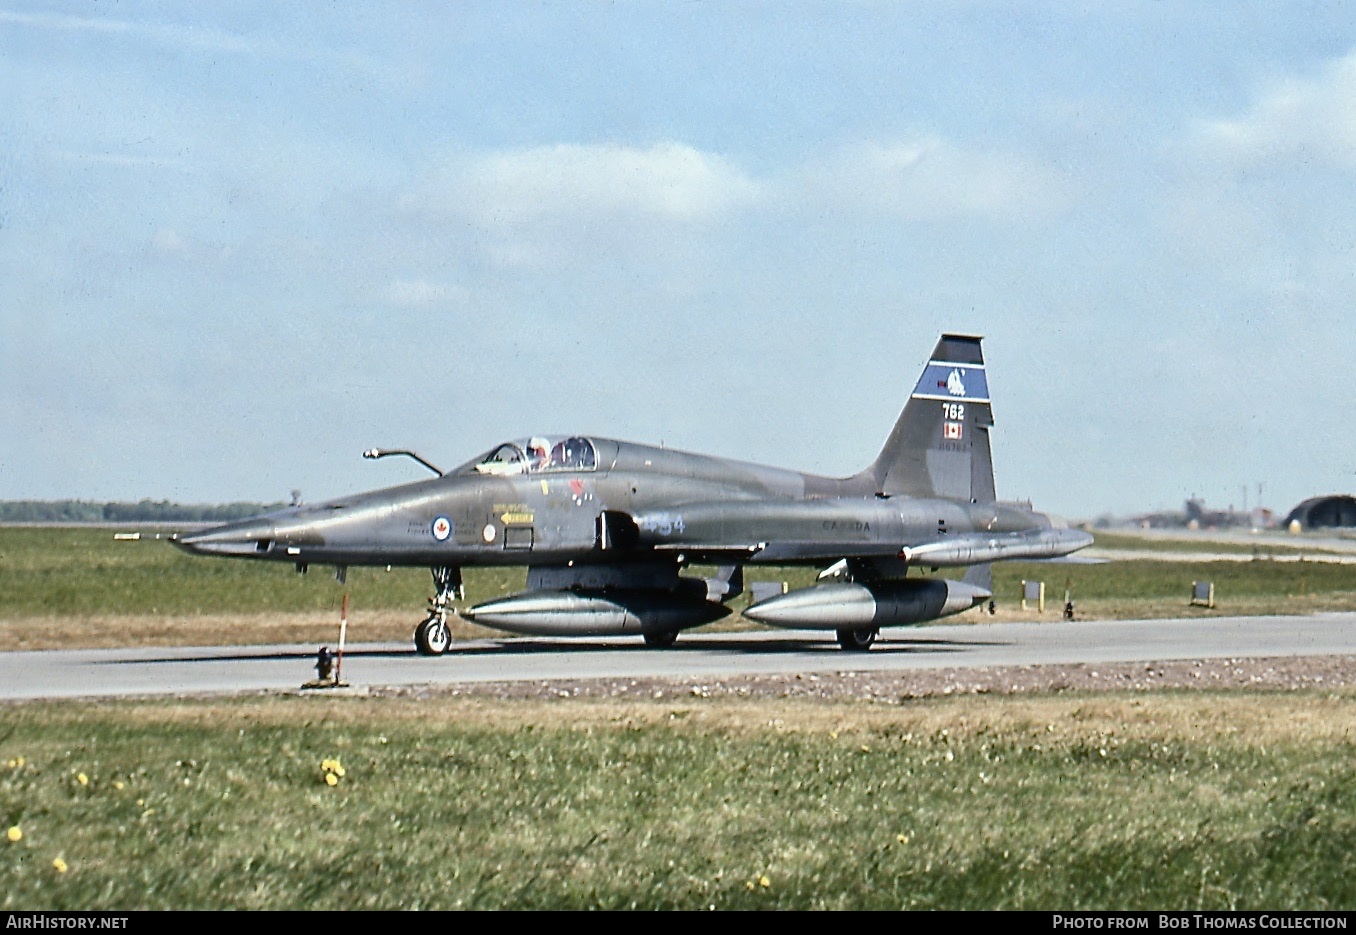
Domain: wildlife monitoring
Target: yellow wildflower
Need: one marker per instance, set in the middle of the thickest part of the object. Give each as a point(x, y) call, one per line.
point(331, 779)
point(59, 865)
point(117, 784)
point(14, 834)
point(82, 779)
point(763, 881)
point(902, 838)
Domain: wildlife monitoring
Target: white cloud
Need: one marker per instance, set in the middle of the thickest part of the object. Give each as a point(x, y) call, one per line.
point(64, 21)
point(191, 37)
point(928, 179)
point(196, 36)
point(1299, 118)
point(670, 203)
point(673, 215)
point(668, 181)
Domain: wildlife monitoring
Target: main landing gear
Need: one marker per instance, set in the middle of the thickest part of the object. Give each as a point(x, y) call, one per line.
point(432, 636)
point(857, 641)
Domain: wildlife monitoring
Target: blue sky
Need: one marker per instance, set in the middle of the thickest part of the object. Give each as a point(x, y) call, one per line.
point(240, 243)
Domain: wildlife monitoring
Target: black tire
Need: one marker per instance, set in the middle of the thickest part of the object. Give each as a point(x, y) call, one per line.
point(857, 641)
point(661, 639)
point(432, 637)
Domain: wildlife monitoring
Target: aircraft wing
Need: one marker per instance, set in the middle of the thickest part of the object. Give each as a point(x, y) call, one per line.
point(831, 529)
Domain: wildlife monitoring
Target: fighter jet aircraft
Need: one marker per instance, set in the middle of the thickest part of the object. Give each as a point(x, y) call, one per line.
point(606, 528)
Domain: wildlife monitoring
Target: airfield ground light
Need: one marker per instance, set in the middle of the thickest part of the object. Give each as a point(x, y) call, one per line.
point(324, 665)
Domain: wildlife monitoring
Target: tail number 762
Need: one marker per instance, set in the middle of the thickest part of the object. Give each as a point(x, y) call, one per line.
point(953, 411)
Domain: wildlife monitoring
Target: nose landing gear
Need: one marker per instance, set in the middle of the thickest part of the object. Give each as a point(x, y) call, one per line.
point(432, 637)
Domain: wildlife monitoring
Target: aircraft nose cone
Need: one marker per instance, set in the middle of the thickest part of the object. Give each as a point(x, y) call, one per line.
point(248, 537)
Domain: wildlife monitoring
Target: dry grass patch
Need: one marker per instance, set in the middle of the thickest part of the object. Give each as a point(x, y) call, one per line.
point(1191, 717)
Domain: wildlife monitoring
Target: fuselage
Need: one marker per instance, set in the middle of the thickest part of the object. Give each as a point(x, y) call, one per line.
point(606, 528)
point(505, 508)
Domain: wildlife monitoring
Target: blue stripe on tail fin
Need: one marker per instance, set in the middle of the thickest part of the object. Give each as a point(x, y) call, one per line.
point(940, 445)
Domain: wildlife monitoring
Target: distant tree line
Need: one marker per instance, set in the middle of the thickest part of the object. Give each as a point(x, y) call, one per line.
point(143, 511)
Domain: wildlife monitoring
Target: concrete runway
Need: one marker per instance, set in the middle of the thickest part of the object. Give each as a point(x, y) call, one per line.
point(227, 670)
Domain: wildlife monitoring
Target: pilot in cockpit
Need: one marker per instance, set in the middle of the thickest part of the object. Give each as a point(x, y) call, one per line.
point(538, 454)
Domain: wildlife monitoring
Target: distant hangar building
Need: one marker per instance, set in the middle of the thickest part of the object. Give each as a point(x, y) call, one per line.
point(1332, 512)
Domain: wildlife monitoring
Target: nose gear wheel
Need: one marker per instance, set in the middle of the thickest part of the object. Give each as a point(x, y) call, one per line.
point(432, 637)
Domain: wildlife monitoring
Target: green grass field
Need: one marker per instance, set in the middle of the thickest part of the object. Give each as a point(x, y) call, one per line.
point(67, 587)
point(84, 571)
point(1191, 800)
point(1170, 800)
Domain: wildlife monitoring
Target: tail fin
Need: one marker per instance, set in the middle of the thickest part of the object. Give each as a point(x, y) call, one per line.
point(940, 445)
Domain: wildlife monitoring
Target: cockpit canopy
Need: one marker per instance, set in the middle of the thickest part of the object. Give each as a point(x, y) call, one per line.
point(538, 455)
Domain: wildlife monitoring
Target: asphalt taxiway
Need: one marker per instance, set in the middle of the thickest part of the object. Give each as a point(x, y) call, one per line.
point(244, 669)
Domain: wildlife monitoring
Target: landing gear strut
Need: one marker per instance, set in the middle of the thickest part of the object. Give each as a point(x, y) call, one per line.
point(858, 641)
point(432, 636)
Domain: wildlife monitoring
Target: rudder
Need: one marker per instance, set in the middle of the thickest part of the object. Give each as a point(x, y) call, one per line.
point(940, 445)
